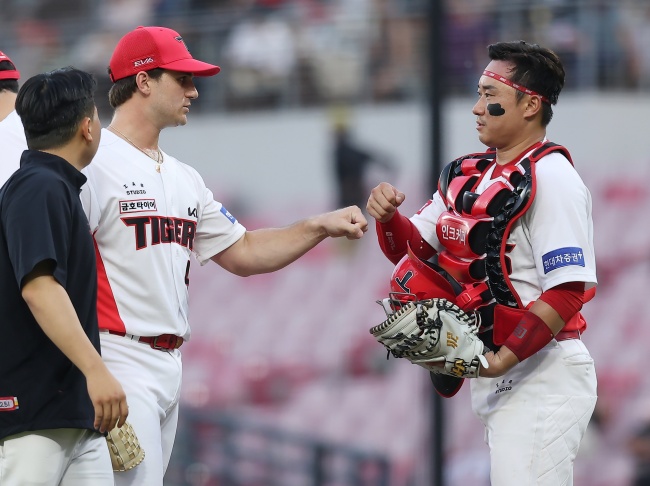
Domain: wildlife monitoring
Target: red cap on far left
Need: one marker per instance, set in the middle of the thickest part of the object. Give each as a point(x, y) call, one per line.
point(10, 73)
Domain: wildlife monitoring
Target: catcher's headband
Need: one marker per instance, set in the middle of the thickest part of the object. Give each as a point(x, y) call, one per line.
point(9, 73)
point(518, 87)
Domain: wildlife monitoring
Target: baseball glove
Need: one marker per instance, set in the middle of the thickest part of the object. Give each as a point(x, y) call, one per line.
point(435, 334)
point(124, 448)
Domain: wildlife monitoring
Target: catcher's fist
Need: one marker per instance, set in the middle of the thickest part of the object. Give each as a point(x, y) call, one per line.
point(435, 334)
point(384, 201)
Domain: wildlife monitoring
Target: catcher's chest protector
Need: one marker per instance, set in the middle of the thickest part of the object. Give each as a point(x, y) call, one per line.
point(480, 212)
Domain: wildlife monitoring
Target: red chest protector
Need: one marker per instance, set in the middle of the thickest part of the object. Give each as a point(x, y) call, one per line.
point(475, 228)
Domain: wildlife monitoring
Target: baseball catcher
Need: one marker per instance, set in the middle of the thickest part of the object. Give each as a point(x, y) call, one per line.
point(434, 333)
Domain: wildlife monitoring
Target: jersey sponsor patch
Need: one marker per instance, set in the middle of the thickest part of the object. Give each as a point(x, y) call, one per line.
point(137, 205)
point(8, 404)
point(563, 257)
point(225, 212)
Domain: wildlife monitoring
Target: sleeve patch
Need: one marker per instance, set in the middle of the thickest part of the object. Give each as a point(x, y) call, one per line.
point(563, 257)
point(225, 212)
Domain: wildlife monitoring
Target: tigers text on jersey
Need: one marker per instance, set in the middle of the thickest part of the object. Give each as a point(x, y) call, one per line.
point(146, 224)
point(552, 243)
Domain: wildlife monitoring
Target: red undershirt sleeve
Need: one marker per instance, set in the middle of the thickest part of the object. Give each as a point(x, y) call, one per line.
point(532, 333)
point(566, 299)
point(394, 235)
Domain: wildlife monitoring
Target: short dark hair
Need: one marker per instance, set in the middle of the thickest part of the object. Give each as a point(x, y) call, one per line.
point(537, 68)
point(123, 89)
point(8, 84)
point(51, 106)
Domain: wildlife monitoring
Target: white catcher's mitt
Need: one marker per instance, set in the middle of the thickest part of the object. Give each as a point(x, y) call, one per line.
point(435, 334)
point(124, 448)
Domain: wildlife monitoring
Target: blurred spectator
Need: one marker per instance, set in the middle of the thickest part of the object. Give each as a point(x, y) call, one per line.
point(61, 10)
point(38, 46)
point(638, 26)
point(468, 30)
point(334, 44)
point(123, 15)
point(351, 163)
point(395, 67)
point(614, 45)
point(260, 55)
point(91, 53)
point(558, 29)
point(91, 50)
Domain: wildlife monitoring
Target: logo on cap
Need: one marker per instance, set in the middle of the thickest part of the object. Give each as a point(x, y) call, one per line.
point(180, 39)
point(142, 62)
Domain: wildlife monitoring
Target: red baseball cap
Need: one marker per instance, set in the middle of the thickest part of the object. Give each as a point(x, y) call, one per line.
point(9, 73)
point(147, 48)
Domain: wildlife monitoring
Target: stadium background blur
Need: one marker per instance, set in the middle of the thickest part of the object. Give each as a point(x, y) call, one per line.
point(283, 384)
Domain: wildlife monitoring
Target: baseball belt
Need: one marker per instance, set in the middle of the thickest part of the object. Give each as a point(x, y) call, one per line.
point(164, 342)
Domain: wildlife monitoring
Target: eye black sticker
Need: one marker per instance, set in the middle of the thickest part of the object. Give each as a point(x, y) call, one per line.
point(495, 109)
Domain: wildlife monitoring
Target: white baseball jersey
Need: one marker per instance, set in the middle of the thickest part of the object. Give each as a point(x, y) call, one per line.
point(146, 224)
point(12, 141)
point(552, 242)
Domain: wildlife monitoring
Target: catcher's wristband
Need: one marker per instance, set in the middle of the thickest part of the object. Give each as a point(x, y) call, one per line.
point(530, 335)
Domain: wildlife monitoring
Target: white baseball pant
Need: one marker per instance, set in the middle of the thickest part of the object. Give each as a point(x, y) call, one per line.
point(151, 380)
point(55, 457)
point(536, 415)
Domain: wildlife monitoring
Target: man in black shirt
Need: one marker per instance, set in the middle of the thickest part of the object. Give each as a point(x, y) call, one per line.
point(56, 394)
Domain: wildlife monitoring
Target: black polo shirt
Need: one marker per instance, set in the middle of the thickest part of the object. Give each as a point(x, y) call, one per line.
point(41, 218)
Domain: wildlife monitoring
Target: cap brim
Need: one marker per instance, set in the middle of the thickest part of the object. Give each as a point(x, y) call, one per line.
point(14, 74)
point(194, 66)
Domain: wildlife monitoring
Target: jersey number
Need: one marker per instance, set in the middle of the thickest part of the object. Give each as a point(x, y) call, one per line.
point(187, 274)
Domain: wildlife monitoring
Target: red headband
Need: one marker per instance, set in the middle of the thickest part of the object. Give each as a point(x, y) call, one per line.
point(518, 87)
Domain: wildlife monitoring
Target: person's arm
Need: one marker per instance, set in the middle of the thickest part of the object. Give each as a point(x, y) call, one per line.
point(394, 230)
point(537, 330)
point(545, 318)
point(51, 307)
point(270, 249)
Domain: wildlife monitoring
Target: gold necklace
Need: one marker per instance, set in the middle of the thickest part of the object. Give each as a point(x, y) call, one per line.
point(156, 155)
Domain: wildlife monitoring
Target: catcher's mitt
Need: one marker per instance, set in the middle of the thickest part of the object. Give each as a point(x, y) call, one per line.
point(435, 334)
point(124, 448)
